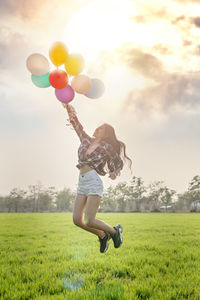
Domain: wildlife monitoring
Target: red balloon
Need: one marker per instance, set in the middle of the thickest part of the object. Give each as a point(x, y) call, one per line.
point(58, 79)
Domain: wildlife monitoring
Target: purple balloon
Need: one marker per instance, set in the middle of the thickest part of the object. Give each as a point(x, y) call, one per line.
point(65, 95)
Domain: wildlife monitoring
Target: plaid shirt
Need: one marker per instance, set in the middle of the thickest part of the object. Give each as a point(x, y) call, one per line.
point(102, 154)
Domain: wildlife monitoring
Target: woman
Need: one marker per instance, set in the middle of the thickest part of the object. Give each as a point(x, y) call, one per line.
point(94, 154)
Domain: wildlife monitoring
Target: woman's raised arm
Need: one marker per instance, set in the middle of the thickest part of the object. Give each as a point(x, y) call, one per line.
point(75, 122)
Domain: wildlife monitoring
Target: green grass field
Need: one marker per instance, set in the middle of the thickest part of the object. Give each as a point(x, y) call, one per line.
point(45, 256)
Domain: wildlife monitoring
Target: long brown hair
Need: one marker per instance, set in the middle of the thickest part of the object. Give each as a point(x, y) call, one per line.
point(119, 146)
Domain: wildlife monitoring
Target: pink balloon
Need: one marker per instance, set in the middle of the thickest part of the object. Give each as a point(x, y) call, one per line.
point(65, 95)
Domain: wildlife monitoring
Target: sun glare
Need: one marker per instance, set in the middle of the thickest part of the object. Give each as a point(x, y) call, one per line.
point(104, 26)
point(100, 25)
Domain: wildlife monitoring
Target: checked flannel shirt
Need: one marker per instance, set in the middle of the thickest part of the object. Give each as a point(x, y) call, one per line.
point(102, 154)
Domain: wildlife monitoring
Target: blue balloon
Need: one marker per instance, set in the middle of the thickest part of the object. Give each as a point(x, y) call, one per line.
point(97, 89)
point(41, 81)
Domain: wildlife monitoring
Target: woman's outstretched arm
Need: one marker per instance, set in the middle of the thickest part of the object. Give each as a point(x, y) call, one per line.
point(75, 122)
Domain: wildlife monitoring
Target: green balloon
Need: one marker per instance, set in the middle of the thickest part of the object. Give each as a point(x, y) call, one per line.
point(41, 81)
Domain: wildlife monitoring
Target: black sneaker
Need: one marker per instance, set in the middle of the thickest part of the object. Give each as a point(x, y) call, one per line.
point(104, 243)
point(117, 237)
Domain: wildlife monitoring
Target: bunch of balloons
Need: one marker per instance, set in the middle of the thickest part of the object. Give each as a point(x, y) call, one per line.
point(42, 77)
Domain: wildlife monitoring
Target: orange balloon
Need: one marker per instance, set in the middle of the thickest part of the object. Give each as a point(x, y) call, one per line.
point(58, 79)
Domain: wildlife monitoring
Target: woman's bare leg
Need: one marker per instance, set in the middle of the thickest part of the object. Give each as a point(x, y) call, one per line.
point(78, 209)
point(92, 205)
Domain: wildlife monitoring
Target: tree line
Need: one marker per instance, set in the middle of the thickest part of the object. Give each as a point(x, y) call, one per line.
point(133, 196)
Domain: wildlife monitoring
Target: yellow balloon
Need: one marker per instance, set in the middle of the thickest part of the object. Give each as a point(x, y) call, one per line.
point(74, 64)
point(58, 53)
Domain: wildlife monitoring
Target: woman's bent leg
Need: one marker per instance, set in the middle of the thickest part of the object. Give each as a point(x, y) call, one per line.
point(78, 210)
point(92, 205)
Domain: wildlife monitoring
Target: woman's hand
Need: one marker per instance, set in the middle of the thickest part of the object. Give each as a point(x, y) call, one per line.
point(69, 107)
point(65, 105)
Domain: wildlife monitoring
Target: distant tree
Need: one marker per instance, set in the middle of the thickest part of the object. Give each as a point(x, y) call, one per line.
point(166, 196)
point(15, 199)
point(159, 194)
point(47, 199)
point(44, 201)
point(184, 201)
point(136, 194)
point(121, 192)
point(33, 196)
point(154, 191)
point(194, 185)
point(194, 192)
point(3, 204)
point(133, 196)
point(64, 200)
point(108, 202)
point(190, 198)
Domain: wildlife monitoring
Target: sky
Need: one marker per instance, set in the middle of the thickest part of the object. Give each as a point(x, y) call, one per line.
point(147, 53)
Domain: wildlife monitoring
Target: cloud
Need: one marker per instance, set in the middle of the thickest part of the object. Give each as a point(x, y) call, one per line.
point(8, 7)
point(149, 12)
point(183, 25)
point(139, 19)
point(162, 49)
point(178, 19)
point(169, 92)
point(142, 62)
point(13, 47)
point(196, 21)
point(178, 126)
point(101, 64)
point(187, 1)
point(22, 8)
point(187, 43)
point(174, 92)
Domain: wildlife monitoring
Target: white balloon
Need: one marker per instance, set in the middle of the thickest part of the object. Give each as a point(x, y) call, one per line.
point(81, 84)
point(37, 64)
point(97, 89)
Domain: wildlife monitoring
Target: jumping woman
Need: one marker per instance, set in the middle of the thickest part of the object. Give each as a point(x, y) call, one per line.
point(95, 153)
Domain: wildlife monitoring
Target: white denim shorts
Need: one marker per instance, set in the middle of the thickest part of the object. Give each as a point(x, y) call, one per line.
point(90, 183)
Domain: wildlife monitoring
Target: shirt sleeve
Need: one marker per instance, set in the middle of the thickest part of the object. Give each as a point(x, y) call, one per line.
point(76, 124)
point(114, 160)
